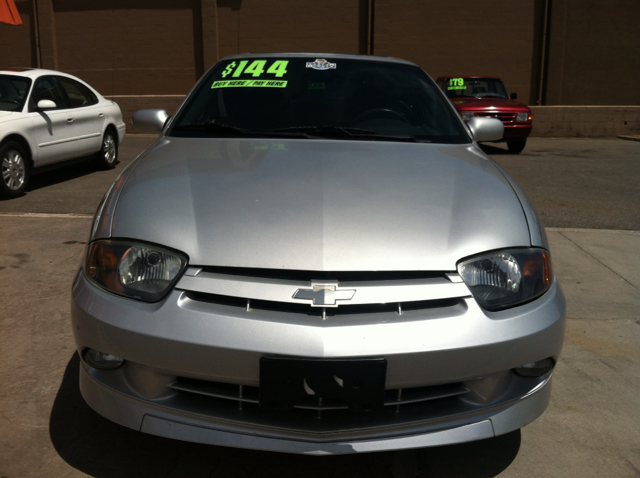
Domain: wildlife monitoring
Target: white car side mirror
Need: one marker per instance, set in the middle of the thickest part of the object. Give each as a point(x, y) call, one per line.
point(46, 105)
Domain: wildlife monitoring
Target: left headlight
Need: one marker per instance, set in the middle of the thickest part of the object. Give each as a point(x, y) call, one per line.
point(502, 279)
point(523, 117)
point(135, 270)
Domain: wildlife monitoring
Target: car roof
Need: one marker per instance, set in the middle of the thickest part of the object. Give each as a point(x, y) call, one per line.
point(333, 56)
point(32, 72)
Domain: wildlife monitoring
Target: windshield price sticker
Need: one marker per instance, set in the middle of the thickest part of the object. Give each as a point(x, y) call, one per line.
point(321, 64)
point(254, 83)
point(256, 68)
point(456, 84)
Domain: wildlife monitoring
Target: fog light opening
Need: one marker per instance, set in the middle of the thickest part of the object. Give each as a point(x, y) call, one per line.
point(102, 360)
point(536, 369)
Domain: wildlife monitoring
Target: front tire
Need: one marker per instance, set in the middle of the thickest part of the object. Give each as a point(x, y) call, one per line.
point(107, 157)
point(516, 147)
point(15, 170)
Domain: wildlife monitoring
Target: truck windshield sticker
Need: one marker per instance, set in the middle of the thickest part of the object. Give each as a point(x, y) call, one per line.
point(456, 84)
point(249, 83)
point(321, 64)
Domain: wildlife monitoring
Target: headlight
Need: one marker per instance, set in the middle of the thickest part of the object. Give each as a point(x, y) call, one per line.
point(139, 271)
point(523, 117)
point(467, 115)
point(502, 279)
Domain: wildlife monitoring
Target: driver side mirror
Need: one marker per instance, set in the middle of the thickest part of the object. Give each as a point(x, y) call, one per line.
point(46, 105)
point(486, 129)
point(514, 96)
point(150, 121)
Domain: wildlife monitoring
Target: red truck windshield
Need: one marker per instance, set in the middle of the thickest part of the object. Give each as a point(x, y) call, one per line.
point(475, 87)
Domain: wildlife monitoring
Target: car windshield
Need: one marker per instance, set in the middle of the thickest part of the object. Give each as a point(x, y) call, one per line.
point(13, 92)
point(475, 87)
point(315, 98)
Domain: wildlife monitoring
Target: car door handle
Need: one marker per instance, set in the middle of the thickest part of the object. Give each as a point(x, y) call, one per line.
point(100, 115)
point(70, 120)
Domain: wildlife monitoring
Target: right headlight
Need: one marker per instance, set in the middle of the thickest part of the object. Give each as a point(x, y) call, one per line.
point(133, 269)
point(502, 279)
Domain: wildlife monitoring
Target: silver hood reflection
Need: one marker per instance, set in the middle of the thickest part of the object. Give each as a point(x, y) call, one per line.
point(319, 204)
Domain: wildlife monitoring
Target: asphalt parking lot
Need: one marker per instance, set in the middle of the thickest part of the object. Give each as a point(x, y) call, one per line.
point(587, 193)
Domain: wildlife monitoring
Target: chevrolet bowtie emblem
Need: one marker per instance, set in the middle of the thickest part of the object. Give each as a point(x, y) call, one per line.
point(324, 294)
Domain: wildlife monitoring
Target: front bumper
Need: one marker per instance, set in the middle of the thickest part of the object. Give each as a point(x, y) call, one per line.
point(183, 339)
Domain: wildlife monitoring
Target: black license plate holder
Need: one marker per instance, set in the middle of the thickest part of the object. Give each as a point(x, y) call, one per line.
point(357, 383)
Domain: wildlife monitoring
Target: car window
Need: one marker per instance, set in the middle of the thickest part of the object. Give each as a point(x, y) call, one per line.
point(78, 94)
point(47, 88)
point(474, 87)
point(274, 95)
point(13, 92)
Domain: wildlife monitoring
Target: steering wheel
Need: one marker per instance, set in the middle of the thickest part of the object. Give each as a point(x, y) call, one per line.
point(11, 100)
point(380, 112)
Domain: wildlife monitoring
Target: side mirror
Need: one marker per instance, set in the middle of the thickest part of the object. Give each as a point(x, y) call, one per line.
point(46, 105)
point(150, 121)
point(486, 129)
point(514, 96)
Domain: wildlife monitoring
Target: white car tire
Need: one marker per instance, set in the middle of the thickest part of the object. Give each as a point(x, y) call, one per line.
point(15, 170)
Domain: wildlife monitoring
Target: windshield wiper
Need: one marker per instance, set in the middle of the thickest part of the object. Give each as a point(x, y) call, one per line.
point(333, 130)
point(227, 129)
point(212, 128)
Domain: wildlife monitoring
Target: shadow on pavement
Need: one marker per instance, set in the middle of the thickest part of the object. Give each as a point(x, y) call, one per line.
point(83, 167)
point(103, 449)
point(490, 149)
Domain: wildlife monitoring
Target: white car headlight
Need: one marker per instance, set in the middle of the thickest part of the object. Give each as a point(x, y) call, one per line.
point(139, 271)
point(523, 117)
point(502, 279)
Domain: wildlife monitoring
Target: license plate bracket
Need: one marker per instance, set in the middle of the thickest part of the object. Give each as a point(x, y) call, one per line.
point(357, 383)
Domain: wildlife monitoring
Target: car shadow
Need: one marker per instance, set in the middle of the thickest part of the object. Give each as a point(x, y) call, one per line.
point(103, 449)
point(68, 172)
point(491, 149)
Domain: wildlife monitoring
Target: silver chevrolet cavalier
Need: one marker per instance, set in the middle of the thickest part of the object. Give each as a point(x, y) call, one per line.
point(316, 257)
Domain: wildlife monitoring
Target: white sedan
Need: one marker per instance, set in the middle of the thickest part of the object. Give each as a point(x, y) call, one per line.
point(47, 118)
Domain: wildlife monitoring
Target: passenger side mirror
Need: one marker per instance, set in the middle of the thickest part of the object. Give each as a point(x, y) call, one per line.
point(46, 105)
point(486, 129)
point(150, 121)
point(514, 96)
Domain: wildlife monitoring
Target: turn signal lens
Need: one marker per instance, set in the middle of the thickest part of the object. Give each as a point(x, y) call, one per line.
point(102, 360)
point(536, 369)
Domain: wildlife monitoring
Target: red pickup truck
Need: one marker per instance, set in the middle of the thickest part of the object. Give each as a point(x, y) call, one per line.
point(486, 96)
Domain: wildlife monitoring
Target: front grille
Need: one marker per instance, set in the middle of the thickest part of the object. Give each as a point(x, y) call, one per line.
point(325, 294)
point(246, 396)
point(506, 118)
point(304, 309)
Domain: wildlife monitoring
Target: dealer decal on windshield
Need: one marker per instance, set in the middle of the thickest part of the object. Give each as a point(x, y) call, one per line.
point(321, 64)
point(255, 69)
point(456, 84)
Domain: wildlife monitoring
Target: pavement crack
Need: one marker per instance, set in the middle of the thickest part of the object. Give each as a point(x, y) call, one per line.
point(598, 260)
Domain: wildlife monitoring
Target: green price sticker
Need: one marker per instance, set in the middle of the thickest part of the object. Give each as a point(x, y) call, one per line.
point(278, 68)
point(249, 83)
point(456, 84)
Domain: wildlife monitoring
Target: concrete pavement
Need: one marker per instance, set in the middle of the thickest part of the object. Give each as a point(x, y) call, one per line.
point(591, 429)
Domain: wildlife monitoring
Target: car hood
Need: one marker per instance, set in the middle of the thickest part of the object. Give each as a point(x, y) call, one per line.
point(319, 204)
point(487, 103)
point(5, 114)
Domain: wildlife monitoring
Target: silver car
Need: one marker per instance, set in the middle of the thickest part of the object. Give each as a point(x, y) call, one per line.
point(316, 257)
point(48, 118)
